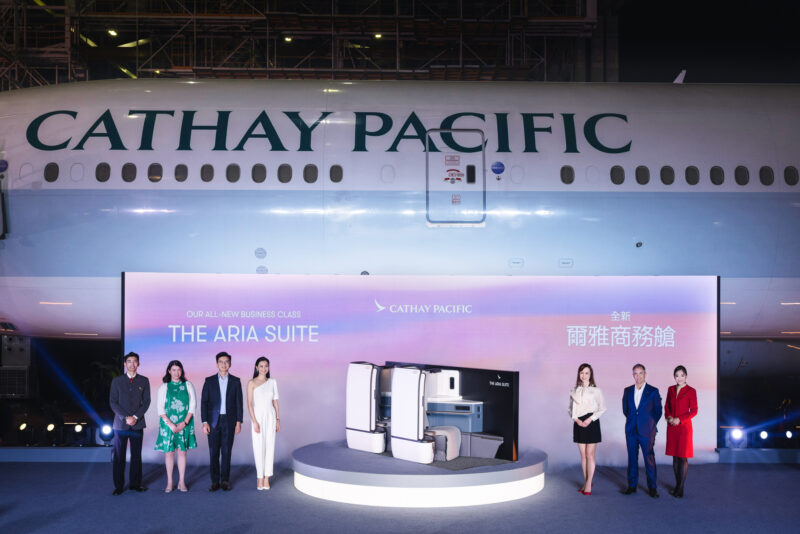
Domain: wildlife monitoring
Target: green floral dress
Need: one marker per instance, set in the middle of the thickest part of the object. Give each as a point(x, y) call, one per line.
point(176, 407)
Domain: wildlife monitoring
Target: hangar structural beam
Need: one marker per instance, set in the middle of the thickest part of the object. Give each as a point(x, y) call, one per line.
point(526, 40)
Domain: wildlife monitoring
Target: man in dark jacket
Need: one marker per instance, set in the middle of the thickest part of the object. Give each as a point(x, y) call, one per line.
point(129, 399)
point(641, 404)
point(221, 410)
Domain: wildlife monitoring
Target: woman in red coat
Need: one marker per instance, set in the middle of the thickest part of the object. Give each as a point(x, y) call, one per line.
point(680, 407)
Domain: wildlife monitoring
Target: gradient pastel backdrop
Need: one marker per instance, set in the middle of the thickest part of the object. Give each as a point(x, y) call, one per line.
point(517, 324)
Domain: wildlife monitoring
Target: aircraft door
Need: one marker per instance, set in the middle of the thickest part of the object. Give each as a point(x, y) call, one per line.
point(455, 182)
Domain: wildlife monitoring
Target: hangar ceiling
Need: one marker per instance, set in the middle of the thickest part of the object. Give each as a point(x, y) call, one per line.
point(48, 41)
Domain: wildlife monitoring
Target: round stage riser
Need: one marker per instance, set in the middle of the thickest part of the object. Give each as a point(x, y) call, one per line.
point(419, 497)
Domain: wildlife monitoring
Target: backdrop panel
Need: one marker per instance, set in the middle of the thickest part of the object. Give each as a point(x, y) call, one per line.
point(310, 327)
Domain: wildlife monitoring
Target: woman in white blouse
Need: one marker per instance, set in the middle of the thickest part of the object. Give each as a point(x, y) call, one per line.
point(586, 405)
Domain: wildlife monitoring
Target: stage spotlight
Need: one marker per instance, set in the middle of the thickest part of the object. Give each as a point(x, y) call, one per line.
point(103, 435)
point(788, 434)
point(50, 427)
point(737, 434)
point(78, 428)
point(23, 426)
point(763, 434)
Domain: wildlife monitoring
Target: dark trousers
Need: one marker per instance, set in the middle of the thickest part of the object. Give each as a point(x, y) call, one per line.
point(220, 440)
point(121, 438)
point(634, 442)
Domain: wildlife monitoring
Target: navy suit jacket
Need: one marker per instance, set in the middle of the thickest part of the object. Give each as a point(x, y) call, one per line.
point(129, 398)
point(210, 402)
point(641, 421)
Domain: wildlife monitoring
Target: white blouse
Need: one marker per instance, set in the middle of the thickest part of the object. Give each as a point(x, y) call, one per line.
point(586, 400)
point(162, 398)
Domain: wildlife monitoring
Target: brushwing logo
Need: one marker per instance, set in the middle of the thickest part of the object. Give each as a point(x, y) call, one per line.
point(415, 309)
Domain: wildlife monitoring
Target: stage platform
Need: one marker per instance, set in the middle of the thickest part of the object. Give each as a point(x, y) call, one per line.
point(729, 455)
point(331, 471)
point(56, 454)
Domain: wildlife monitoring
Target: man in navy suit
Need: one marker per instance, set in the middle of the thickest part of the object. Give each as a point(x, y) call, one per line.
point(221, 411)
point(641, 404)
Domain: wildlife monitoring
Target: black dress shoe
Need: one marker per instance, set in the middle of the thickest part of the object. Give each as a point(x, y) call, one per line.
point(214, 486)
point(653, 492)
point(138, 488)
point(225, 486)
point(631, 490)
point(116, 492)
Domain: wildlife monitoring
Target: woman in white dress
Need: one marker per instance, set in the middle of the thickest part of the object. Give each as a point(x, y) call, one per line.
point(262, 402)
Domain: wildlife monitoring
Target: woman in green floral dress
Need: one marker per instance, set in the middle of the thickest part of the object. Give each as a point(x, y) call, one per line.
point(176, 404)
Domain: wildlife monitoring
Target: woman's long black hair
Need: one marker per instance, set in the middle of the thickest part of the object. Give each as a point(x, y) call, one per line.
point(168, 377)
point(261, 359)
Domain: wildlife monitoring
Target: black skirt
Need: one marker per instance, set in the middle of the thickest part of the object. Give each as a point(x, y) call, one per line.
point(589, 434)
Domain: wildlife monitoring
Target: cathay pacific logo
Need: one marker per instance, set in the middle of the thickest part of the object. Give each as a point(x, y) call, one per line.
point(411, 309)
point(282, 131)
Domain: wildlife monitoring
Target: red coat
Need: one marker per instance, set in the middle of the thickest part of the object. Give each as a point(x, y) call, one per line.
point(684, 407)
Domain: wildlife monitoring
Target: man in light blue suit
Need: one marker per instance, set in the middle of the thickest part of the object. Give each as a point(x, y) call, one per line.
point(641, 404)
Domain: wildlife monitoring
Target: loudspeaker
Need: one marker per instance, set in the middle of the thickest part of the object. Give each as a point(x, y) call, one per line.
point(15, 351)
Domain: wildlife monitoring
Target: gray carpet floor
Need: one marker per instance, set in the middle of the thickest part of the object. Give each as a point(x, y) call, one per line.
point(77, 498)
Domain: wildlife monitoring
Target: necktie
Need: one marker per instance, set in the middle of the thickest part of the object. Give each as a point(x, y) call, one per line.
point(131, 380)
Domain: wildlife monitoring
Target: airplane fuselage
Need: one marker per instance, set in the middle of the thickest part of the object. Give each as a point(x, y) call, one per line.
point(394, 178)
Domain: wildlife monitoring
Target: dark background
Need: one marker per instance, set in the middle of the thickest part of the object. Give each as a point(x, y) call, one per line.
point(716, 42)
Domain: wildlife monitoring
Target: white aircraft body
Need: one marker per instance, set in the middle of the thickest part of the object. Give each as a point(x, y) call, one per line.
point(395, 178)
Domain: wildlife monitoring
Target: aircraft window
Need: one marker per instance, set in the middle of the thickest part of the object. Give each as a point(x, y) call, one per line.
point(567, 174)
point(259, 173)
point(51, 172)
point(207, 172)
point(232, 173)
point(102, 172)
point(741, 175)
point(181, 173)
point(336, 173)
point(617, 175)
point(667, 175)
point(155, 172)
point(790, 175)
point(310, 173)
point(766, 175)
point(284, 173)
point(642, 175)
point(717, 175)
point(129, 172)
point(692, 175)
